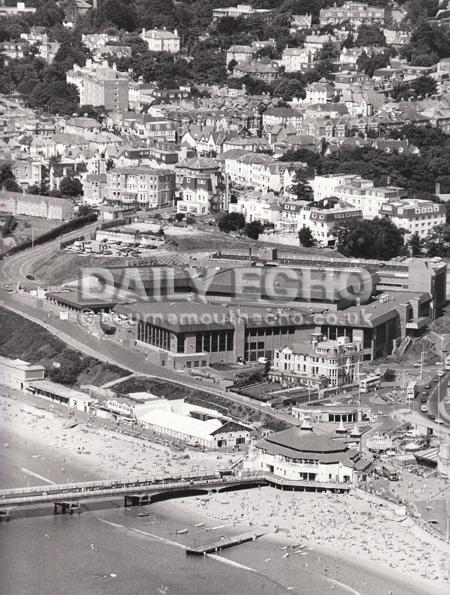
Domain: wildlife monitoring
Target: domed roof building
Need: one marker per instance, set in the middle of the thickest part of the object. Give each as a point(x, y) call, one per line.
point(300, 455)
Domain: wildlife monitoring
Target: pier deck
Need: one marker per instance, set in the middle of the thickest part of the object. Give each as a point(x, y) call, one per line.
point(221, 544)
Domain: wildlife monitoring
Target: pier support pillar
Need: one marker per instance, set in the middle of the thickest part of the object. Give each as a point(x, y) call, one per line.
point(137, 500)
point(66, 506)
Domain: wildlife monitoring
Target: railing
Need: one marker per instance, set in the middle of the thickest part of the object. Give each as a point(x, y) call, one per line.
point(49, 493)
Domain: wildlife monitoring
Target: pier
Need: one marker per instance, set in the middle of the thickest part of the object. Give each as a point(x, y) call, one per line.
point(221, 544)
point(140, 492)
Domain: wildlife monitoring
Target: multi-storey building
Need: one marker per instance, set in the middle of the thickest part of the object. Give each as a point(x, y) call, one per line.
point(18, 9)
point(150, 127)
point(357, 13)
point(415, 216)
point(94, 188)
point(319, 219)
point(241, 10)
point(262, 70)
point(364, 195)
point(257, 207)
point(240, 53)
point(161, 40)
point(47, 207)
point(15, 50)
point(282, 116)
point(100, 85)
point(320, 92)
point(141, 187)
point(258, 171)
point(297, 59)
point(201, 183)
point(297, 454)
point(330, 363)
point(184, 335)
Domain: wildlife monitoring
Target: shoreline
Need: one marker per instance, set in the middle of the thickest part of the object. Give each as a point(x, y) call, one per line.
point(348, 527)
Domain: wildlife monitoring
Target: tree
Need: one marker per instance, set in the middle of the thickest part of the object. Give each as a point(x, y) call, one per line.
point(231, 64)
point(437, 242)
point(349, 41)
point(71, 186)
point(7, 180)
point(288, 88)
point(118, 13)
point(306, 238)
point(376, 238)
point(370, 35)
point(231, 222)
point(301, 187)
point(253, 229)
point(85, 210)
point(368, 64)
point(415, 244)
point(424, 86)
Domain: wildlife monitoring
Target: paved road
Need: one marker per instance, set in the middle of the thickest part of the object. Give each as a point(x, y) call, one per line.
point(15, 268)
point(437, 394)
point(114, 353)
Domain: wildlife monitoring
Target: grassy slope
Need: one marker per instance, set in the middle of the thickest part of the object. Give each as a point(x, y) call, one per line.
point(23, 339)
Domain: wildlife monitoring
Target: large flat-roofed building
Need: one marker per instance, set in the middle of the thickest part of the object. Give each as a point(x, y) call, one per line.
point(241, 10)
point(19, 9)
point(415, 275)
point(357, 13)
point(377, 327)
point(140, 187)
point(321, 286)
point(299, 454)
point(16, 373)
point(100, 85)
point(184, 335)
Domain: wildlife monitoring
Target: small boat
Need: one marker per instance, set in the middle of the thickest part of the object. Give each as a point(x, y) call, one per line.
point(286, 555)
point(285, 547)
point(144, 514)
point(181, 531)
point(199, 524)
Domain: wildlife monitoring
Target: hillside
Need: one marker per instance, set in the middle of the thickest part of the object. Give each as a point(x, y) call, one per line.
point(23, 339)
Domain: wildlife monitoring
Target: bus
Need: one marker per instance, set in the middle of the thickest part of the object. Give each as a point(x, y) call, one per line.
point(369, 383)
point(389, 472)
point(411, 390)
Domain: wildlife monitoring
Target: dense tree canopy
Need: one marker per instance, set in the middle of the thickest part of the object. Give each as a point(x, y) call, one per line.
point(378, 238)
point(370, 35)
point(306, 238)
point(429, 43)
point(231, 222)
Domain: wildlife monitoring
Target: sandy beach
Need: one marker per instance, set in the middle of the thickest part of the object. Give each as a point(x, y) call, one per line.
point(102, 452)
point(344, 525)
point(350, 527)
